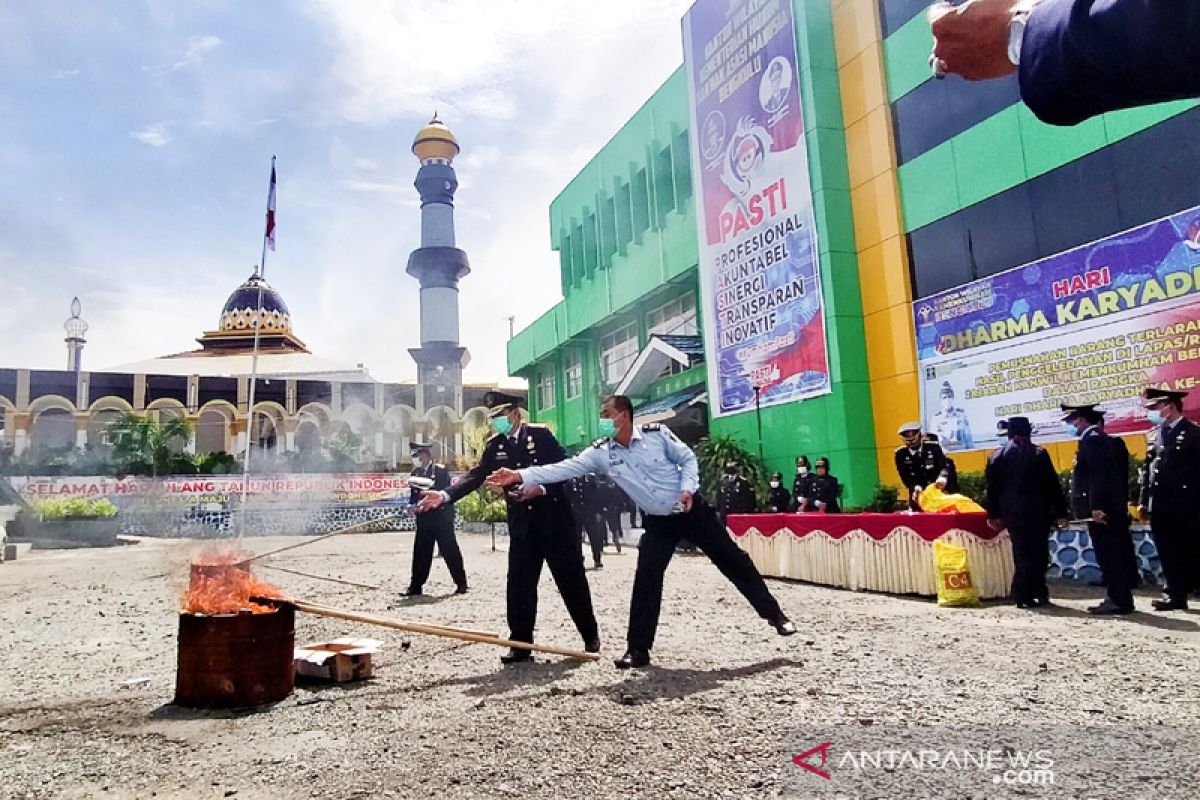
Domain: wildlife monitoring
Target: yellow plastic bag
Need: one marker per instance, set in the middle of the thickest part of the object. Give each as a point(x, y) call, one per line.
point(954, 585)
point(933, 499)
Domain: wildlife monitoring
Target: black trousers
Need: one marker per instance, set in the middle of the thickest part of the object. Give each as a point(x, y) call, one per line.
point(436, 526)
point(702, 528)
point(612, 517)
point(558, 548)
point(1178, 544)
point(591, 526)
point(1114, 554)
point(1031, 558)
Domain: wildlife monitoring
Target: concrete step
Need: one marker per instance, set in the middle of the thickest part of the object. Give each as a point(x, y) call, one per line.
point(15, 550)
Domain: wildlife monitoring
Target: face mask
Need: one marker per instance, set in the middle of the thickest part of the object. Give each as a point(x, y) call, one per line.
point(608, 429)
point(801, 470)
point(1155, 416)
point(1070, 429)
point(501, 425)
point(774, 484)
point(416, 461)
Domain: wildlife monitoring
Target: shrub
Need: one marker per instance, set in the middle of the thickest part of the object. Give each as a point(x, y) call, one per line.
point(714, 452)
point(973, 485)
point(884, 499)
point(476, 507)
point(69, 507)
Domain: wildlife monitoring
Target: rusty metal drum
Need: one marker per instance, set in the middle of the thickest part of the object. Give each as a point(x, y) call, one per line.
point(235, 660)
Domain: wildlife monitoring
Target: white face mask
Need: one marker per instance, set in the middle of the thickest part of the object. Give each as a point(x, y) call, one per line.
point(774, 484)
point(416, 461)
point(801, 470)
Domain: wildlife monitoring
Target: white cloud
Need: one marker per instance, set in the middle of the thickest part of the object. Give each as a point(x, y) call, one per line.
point(155, 135)
point(197, 48)
point(59, 74)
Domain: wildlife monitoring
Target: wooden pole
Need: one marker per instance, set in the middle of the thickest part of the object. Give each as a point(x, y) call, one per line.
point(451, 629)
point(318, 577)
point(435, 630)
point(329, 535)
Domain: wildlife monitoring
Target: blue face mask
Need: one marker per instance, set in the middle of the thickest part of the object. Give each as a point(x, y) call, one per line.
point(1155, 416)
point(1069, 429)
point(608, 429)
point(501, 425)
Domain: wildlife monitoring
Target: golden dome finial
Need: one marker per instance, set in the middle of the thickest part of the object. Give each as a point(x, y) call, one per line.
point(435, 141)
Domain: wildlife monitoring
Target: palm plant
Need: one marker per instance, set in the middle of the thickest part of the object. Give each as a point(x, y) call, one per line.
point(145, 446)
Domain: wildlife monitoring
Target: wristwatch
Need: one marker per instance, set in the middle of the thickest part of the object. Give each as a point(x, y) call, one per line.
point(1016, 29)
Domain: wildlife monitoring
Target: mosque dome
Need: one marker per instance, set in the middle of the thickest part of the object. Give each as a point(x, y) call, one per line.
point(241, 309)
point(435, 142)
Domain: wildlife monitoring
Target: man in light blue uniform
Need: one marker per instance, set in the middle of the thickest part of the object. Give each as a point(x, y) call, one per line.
point(660, 474)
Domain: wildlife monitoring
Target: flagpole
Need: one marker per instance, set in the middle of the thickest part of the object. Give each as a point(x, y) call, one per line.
point(258, 320)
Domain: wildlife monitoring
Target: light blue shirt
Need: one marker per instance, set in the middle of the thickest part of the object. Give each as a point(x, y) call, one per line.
point(653, 470)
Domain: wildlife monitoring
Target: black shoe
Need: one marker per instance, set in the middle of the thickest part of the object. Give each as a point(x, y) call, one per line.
point(1109, 608)
point(597, 565)
point(633, 659)
point(783, 626)
point(412, 591)
point(515, 656)
point(461, 589)
point(1168, 603)
point(592, 645)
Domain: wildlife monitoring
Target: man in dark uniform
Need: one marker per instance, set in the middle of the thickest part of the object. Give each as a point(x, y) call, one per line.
point(735, 495)
point(1024, 496)
point(947, 479)
point(918, 462)
point(778, 499)
point(584, 497)
point(613, 503)
point(1100, 494)
point(823, 490)
point(800, 486)
point(540, 530)
point(433, 526)
point(1170, 497)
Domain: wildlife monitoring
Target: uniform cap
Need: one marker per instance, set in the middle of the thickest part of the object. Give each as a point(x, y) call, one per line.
point(499, 402)
point(1153, 396)
point(1086, 410)
point(909, 427)
point(418, 447)
point(947, 390)
point(802, 461)
point(823, 462)
point(1019, 426)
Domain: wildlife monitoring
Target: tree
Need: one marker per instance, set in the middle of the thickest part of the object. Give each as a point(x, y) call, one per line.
point(714, 452)
point(144, 446)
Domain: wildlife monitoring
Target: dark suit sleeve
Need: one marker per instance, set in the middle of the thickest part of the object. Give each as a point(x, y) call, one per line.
point(1080, 58)
point(900, 471)
point(475, 478)
point(991, 478)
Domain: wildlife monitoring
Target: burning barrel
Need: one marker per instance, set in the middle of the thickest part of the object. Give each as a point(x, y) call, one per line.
point(233, 652)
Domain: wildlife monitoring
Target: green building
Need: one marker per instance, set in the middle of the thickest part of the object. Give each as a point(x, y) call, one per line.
point(918, 186)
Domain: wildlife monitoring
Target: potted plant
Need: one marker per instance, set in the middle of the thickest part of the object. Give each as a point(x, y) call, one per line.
point(72, 522)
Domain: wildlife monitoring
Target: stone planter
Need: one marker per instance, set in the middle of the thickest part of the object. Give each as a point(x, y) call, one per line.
point(69, 532)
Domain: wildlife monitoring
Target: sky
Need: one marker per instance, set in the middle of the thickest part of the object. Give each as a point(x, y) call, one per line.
point(136, 141)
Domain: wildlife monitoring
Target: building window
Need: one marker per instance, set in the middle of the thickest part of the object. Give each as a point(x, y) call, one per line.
point(573, 375)
point(674, 318)
point(617, 352)
point(545, 390)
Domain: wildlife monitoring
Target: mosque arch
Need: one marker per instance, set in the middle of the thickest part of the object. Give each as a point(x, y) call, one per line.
point(50, 401)
point(211, 430)
point(110, 402)
point(52, 427)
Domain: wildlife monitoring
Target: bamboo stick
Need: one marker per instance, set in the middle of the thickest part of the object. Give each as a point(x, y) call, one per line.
point(434, 630)
point(448, 628)
point(307, 542)
point(318, 577)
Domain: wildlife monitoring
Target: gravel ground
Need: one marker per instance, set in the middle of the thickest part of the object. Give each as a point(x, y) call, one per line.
point(721, 712)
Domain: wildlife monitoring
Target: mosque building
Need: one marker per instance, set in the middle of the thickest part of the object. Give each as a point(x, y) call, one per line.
point(300, 399)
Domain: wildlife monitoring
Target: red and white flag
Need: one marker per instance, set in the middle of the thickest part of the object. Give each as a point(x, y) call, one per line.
point(270, 234)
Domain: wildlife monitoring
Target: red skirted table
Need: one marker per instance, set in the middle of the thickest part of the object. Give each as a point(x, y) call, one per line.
point(879, 552)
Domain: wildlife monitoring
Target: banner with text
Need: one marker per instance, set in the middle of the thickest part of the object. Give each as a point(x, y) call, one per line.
point(1096, 324)
point(760, 280)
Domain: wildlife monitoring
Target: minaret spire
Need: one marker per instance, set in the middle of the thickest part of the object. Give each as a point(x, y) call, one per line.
point(438, 265)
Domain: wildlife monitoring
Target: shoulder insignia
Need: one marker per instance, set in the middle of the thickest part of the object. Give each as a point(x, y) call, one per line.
point(599, 443)
point(440, 466)
point(652, 426)
point(535, 425)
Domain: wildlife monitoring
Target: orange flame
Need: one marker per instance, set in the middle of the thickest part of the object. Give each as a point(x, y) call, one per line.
point(221, 583)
